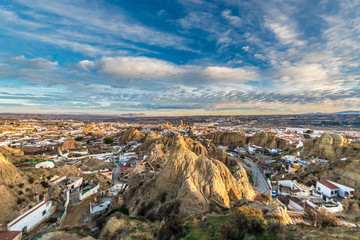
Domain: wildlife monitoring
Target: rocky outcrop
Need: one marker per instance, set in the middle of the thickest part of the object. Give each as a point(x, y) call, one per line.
point(12, 154)
point(227, 138)
point(268, 140)
point(234, 139)
point(40, 150)
point(70, 144)
point(60, 235)
point(131, 134)
point(9, 174)
point(183, 181)
point(120, 227)
point(329, 146)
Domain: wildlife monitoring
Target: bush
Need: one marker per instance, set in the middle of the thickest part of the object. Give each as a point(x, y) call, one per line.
point(79, 139)
point(20, 192)
point(228, 231)
point(19, 200)
point(241, 224)
point(21, 185)
point(44, 184)
point(108, 140)
point(163, 197)
point(31, 180)
point(321, 217)
point(174, 227)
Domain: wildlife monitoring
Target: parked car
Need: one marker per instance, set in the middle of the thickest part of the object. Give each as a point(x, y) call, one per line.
point(274, 194)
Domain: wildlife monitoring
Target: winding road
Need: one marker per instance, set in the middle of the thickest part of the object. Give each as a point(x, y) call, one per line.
point(260, 182)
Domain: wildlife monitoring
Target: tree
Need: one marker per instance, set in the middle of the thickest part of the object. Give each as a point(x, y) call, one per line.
point(79, 139)
point(108, 140)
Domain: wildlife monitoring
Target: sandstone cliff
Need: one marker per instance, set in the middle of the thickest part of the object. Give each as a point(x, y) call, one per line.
point(329, 146)
point(70, 144)
point(183, 181)
point(11, 154)
point(227, 138)
point(9, 174)
point(268, 140)
point(234, 139)
point(9, 177)
point(131, 134)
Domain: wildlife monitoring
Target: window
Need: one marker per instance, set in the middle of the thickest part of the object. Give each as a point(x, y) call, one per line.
point(332, 192)
point(319, 188)
point(44, 212)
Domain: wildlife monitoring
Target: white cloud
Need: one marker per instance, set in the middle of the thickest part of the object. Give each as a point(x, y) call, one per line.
point(35, 63)
point(233, 20)
point(284, 29)
point(246, 48)
point(260, 56)
point(106, 20)
point(225, 73)
point(304, 77)
point(86, 64)
point(139, 67)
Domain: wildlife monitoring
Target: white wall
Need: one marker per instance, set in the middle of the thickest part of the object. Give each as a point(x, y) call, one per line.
point(285, 183)
point(295, 205)
point(90, 192)
point(31, 218)
point(325, 190)
point(343, 188)
point(45, 164)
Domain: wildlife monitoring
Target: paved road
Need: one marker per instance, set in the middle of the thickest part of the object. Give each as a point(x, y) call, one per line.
point(115, 176)
point(260, 182)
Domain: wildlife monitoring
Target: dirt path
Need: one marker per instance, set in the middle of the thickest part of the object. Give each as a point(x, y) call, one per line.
point(78, 213)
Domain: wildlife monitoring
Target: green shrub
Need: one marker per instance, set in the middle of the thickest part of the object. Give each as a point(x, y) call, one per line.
point(174, 227)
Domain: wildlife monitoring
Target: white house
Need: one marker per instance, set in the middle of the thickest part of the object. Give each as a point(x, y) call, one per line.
point(332, 189)
point(45, 164)
point(327, 188)
point(32, 217)
point(4, 143)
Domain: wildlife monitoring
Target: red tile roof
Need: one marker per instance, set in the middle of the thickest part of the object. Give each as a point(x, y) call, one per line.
point(9, 235)
point(328, 184)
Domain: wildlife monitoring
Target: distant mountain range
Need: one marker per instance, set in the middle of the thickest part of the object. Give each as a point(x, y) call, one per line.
point(343, 112)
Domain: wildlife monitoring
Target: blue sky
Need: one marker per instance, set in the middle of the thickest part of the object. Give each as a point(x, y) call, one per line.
point(184, 57)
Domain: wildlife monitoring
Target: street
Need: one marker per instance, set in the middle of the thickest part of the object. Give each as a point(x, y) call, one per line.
point(260, 182)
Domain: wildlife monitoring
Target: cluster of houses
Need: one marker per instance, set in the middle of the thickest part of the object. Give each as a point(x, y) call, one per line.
point(327, 195)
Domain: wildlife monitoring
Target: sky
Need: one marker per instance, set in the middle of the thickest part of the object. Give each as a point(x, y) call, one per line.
point(179, 57)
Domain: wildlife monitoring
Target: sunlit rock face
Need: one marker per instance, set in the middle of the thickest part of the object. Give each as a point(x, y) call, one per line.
point(262, 139)
point(177, 179)
point(131, 134)
point(70, 144)
point(329, 146)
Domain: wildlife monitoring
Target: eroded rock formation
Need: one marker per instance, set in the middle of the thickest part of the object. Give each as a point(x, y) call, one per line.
point(329, 146)
point(131, 134)
point(70, 144)
point(182, 181)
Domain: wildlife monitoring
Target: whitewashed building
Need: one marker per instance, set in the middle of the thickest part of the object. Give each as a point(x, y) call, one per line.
point(45, 164)
point(32, 217)
point(332, 189)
